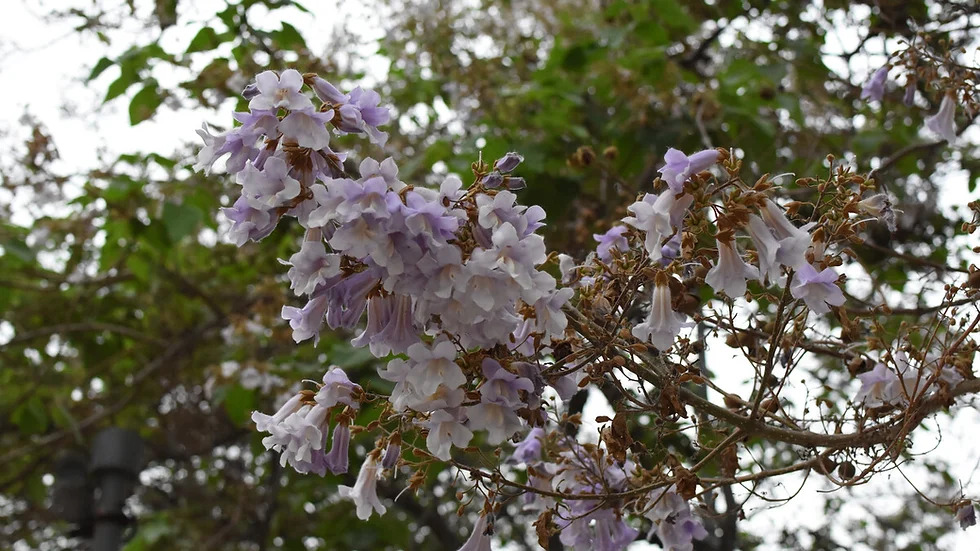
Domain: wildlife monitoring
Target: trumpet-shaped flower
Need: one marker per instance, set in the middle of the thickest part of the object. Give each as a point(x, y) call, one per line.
point(731, 272)
point(818, 289)
point(874, 88)
point(679, 167)
point(662, 323)
point(943, 122)
point(793, 242)
point(337, 389)
point(879, 387)
point(479, 539)
point(657, 216)
point(364, 493)
point(445, 431)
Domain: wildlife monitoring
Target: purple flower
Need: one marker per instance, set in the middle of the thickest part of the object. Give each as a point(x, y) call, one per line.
point(238, 143)
point(337, 459)
point(500, 421)
point(502, 386)
point(874, 88)
point(679, 167)
point(967, 516)
point(671, 249)
point(311, 267)
point(258, 122)
point(308, 321)
point(879, 387)
point(307, 127)
point(493, 180)
point(348, 299)
point(529, 450)
point(880, 207)
point(263, 422)
point(424, 217)
point(731, 272)
point(392, 454)
point(390, 326)
point(817, 289)
point(909, 98)
point(337, 389)
point(356, 112)
point(280, 91)
point(611, 531)
point(675, 523)
point(208, 154)
point(434, 365)
point(514, 183)
point(270, 187)
point(943, 122)
point(614, 238)
point(327, 92)
point(249, 223)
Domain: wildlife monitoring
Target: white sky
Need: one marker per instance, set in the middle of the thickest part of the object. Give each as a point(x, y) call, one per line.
point(43, 65)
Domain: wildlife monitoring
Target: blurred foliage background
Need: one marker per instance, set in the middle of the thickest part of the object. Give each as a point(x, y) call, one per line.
point(122, 305)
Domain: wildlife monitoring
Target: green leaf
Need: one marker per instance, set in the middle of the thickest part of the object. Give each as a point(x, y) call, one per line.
point(239, 403)
point(31, 417)
point(205, 39)
point(139, 266)
point(120, 85)
point(144, 104)
point(180, 220)
point(100, 66)
point(289, 38)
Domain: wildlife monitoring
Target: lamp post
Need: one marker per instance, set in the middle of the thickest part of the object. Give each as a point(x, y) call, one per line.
point(91, 494)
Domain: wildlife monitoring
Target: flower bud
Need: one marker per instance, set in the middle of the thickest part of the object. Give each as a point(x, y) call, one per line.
point(493, 180)
point(250, 91)
point(508, 162)
point(515, 183)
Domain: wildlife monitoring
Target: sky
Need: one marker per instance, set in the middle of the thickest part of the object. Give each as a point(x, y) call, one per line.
point(43, 65)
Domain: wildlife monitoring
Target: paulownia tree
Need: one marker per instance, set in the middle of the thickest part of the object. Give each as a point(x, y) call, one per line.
point(733, 180)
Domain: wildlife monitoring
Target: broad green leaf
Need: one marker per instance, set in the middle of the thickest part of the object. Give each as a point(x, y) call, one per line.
point(99, 68)
point(180, 220)
point(145, 103)
point(205, 39)
point(239, 403)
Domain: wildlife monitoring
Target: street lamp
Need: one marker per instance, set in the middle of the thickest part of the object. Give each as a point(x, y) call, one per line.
point(91, 493)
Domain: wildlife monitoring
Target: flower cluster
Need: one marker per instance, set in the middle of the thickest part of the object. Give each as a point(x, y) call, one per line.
point(449, 288)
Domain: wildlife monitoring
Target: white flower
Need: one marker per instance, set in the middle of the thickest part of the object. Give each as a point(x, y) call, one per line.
point(793, 241)
point(500, 421)
point(445, 431)
point(280, 91)
point(817, 289)
point(479, 539)
point(766, 247)
point(365, 490)
point(944, 121)
point(657, 216)
point(663, 323)
point(731, 272)
point(879, 387)
point(433, 366)
point(308, 128)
